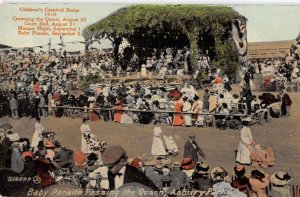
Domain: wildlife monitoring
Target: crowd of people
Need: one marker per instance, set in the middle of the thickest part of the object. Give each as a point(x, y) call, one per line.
point(111, 169)
point(39, 86)
point(34, 78)
point(278, 72)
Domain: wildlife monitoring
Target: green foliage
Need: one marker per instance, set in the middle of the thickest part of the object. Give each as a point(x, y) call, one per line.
point(126, 20)
point(227, 57)
point(185, 21)
point(87, 34)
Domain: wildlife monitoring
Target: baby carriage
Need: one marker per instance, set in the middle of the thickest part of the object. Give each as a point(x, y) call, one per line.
point(261, 157)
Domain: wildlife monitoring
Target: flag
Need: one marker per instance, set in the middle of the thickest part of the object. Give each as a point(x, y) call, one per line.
point(49, 44)
point(61, 41)
point(239, 35)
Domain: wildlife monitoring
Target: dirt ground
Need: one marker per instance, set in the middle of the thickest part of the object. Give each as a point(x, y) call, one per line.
point(283, 135)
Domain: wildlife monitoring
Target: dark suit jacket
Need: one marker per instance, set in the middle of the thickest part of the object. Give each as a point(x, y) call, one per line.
point(132, 174)
point(179, 179)
point(191, 152)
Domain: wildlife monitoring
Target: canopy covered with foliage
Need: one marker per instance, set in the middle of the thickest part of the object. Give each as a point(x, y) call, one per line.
point(200, 27)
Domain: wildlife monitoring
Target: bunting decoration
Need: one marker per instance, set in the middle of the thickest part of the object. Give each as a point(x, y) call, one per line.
point(239, 35)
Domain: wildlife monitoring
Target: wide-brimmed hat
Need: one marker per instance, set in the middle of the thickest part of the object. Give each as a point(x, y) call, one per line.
point(187, 164)
point(112, 155)
point(176, 164)
point(27, 154)
point(158, 167)
point(49, 144)
point(280, 178)
point(239, 167)
point(191, 135)
point(164, 161)
point(202, 168)
point(247, 119)
point(219, 174)
point(137, 162)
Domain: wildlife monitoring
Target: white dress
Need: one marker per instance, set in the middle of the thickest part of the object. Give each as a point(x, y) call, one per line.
point(171, 144)
point(187, 117)
point(158, 147)
point(84, 128)
point(143, 72)
point(36, 136)
point(243, 153)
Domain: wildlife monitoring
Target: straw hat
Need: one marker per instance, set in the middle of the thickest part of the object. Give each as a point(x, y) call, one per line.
point(202, 168)
point(239, 167)
point(49, 144)
point(158, 167)
point(176, 164)
point(137, 162)
point(27, 154)
point(187, 164)
point(191, 135)
point(219, 174)
point(280, 178)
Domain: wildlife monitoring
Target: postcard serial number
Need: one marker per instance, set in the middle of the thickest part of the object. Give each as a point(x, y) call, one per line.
point(18, 179)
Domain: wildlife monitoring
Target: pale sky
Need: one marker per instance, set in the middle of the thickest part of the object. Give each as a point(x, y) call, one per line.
point(265, 23)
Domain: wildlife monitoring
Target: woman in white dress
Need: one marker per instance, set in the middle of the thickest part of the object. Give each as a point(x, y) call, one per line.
point(158, 146)
point(143, 71)
point(85, 130)
point(243, 153)
point(187, 108)
point(36, 138)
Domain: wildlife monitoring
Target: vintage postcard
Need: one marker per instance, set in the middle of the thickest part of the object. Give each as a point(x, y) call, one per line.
point(149, 100)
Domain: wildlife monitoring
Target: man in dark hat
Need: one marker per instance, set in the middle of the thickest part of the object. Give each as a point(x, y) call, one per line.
point(62, 156)
point(200, 177)
point(157, 175)
point(180, 180)
point(121, 173)
point(286, 103)
point(191, 149)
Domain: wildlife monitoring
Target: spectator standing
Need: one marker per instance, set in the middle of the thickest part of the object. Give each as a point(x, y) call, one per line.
point(280, 187)
point(286, 103)
point(243, 153)
point(191, 149)
point(13, 103)
point(258, 182)
point(120, 173)
point(206, 100)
